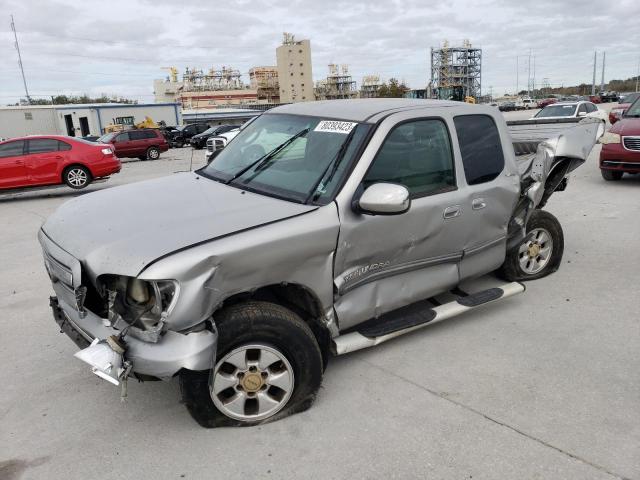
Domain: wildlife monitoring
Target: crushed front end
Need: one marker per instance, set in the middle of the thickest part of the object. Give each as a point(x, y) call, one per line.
point(121, 322)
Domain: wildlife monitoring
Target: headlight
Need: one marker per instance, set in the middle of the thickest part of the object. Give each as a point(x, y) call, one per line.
point(143, 304)
point(608, 138)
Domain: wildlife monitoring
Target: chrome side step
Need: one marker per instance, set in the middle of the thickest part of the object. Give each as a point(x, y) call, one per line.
point(369, 336)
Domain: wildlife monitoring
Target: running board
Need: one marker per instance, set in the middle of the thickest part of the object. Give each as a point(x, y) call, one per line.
point(412, 317)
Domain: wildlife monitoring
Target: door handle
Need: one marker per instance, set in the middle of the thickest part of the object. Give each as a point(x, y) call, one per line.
point(19, 162)
point(452, 212)
point(59, 157)
point(478, 203)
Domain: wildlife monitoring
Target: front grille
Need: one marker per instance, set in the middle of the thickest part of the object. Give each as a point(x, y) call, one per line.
point(631, 143)
point(210, 145)
point(218, 144)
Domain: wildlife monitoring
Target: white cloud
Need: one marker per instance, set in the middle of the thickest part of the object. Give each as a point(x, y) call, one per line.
point(119, 47)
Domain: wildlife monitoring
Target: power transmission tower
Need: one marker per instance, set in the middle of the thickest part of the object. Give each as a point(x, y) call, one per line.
point(24, 80)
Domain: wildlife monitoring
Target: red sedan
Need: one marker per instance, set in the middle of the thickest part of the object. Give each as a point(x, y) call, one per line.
point(53, 160)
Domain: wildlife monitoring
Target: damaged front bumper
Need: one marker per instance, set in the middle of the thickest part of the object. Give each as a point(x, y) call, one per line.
point(175, 351)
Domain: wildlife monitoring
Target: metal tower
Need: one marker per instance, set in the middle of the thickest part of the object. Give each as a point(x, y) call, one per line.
point(455, 68)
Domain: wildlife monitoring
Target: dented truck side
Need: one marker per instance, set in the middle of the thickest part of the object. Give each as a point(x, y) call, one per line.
point(245, 277)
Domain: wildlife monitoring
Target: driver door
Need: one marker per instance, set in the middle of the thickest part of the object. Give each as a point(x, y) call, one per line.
point(384, 262)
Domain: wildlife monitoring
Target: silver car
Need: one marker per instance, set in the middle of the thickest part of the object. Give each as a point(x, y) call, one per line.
point(322, 228)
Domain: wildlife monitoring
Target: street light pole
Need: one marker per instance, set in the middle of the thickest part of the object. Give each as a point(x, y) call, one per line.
point(24, 80)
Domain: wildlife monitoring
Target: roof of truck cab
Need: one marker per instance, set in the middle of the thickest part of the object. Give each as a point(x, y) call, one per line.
point(363, 109)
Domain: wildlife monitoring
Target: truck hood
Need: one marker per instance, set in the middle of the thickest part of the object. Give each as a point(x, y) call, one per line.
point(121, 230)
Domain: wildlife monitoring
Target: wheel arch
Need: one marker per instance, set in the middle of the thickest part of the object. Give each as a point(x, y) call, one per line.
point(296, 297)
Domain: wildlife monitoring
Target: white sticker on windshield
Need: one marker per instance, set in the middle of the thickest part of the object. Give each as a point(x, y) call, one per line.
point(333, 126)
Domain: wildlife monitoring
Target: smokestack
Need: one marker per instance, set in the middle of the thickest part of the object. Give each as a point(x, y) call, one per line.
point(593, 84)
point(604, 56)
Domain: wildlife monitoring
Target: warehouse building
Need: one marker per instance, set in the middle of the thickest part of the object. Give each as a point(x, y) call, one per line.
point(79, 120)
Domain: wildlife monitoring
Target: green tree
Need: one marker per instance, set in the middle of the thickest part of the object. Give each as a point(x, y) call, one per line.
point(394, 89)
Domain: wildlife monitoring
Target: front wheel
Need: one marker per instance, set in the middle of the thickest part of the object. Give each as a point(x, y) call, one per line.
point(611, 175)
point(268, 366)
point(541, 252)
point(77, 177)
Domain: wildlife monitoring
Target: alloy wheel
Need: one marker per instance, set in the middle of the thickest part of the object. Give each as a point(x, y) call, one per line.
point(252, 382)
point(535, 254)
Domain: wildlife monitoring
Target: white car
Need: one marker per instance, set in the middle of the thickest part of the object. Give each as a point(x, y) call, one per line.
point(571, 110)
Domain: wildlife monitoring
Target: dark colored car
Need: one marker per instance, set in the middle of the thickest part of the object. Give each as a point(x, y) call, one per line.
point(199, 141)
point(608, 97)
point(145, 144)
point(53, 160)
point(620, 152)
point(179, 136)
point(507, 107)
point(616, 113)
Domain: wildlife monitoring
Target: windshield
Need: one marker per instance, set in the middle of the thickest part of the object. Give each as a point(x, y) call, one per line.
point(557, 111)
point(630, 98)
point(108, 138)
point(209, 131)
point(293, 157)
point(634, 110)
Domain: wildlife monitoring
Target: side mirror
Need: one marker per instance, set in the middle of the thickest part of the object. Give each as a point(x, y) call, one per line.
point(582, 114)
point(384, 199)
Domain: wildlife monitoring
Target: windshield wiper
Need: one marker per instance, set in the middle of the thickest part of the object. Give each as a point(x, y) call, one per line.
point(334, 165)
point(268, 156)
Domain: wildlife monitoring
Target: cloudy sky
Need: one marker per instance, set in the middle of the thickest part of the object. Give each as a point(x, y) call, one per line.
point(118, 47)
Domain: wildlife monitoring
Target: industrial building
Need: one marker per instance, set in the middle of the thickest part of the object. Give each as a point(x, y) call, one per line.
point(456, 72)
point(295, 76)
point(79, 120)
point(338, 84)
point(369, 86)
point(264, 80)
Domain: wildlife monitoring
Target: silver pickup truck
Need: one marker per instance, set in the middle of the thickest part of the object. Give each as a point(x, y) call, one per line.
point(322, 228)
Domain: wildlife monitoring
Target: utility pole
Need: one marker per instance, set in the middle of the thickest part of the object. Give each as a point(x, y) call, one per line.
point(517, 73)
point(533, 79)
point(604, 56)
point(24, 80)
point(638, 76)
point(529, 76)
point(593, 84)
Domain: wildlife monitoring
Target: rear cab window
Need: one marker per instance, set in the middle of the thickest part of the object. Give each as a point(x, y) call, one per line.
point(480, 147)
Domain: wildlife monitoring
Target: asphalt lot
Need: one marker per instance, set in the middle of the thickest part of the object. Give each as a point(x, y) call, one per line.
point(545, 385)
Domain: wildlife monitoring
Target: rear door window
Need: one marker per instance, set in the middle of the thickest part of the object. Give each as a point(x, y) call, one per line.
point(480, 146)
point(12, 149)
point(62, 146)
point(43, 145)
point(137, 135)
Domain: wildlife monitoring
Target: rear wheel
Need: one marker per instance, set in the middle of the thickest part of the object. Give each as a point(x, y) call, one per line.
point(77, 177)
point(268, 366)
point(540, 254)
point(611, 175)
point(153, 153)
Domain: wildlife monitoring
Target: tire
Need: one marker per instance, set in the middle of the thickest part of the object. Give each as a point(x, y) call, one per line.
point(611, 175)
point(179, 143)
point(153, 153)
point(247, 332)
point(538, 257)
point(77, 177)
